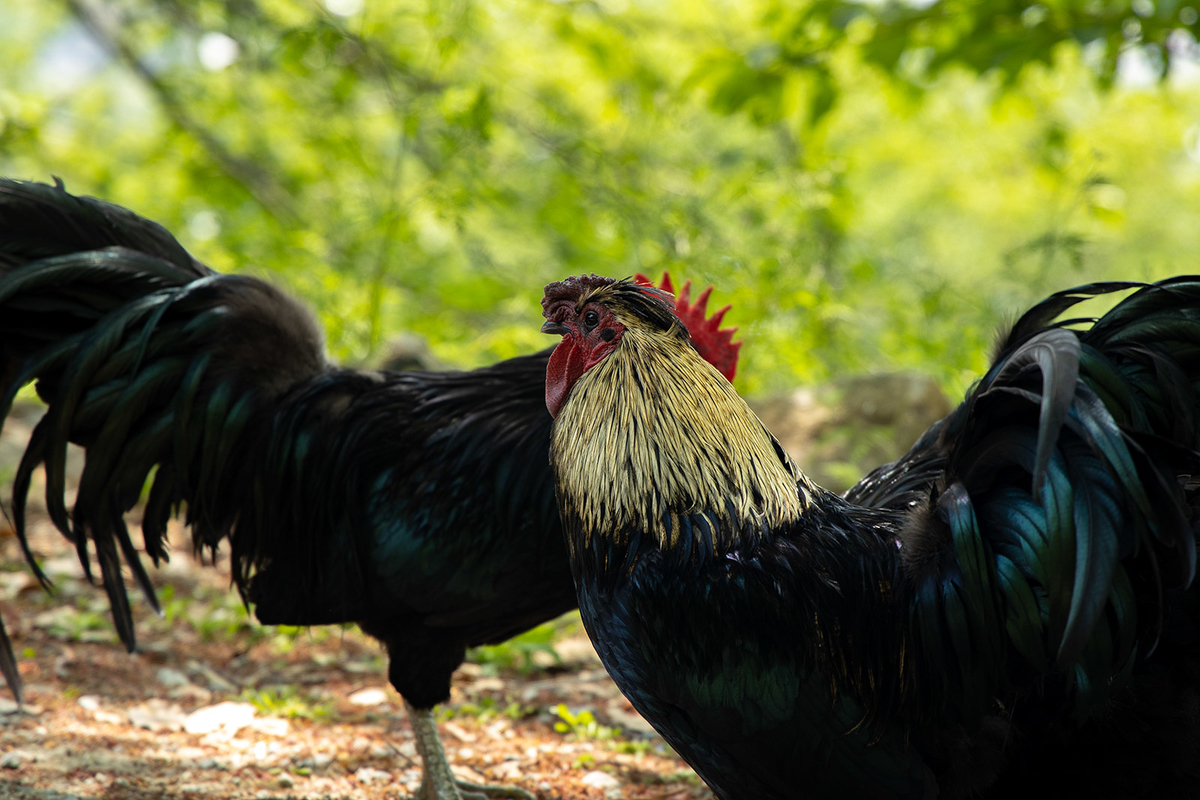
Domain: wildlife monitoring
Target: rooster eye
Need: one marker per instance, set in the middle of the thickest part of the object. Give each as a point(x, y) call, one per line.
point(591, 319)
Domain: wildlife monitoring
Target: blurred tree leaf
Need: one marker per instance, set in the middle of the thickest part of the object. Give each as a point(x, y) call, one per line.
point(870, 186)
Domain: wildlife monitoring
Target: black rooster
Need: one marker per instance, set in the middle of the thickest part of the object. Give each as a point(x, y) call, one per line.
point(1004, 611)
point(419, 505)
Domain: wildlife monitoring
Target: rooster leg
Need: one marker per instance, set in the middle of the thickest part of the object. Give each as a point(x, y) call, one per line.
point(437, 781)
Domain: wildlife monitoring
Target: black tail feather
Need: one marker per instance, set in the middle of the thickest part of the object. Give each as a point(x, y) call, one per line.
point(148, 359)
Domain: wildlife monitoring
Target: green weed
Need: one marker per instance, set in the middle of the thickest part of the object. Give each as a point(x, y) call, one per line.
point(287, 702)
point(485, 710)
point(582, 727)
point(517, 653)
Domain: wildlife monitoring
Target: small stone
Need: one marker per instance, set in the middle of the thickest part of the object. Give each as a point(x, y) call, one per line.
point(208, 763)
point(8, 706)
point(89, 702)
point(372, 775)
point(228, 717)
point(369, 697)
point(285, 781)
point(272, 726)
point(468, 670)
point(506, 771)
point(157, 715)
point(321, 760)
point(172, 677)
point(11, 760)
point(381, 751)
point(600, 780)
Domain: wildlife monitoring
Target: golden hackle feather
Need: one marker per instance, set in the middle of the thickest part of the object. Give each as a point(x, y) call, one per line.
point(706, 452)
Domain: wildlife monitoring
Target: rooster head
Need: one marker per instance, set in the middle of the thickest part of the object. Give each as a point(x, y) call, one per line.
point(592, 313)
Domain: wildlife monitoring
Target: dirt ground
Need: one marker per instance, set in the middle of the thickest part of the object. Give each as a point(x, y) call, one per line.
point(214, 705)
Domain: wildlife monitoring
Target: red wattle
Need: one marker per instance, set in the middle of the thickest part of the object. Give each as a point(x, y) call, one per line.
point(567, 363)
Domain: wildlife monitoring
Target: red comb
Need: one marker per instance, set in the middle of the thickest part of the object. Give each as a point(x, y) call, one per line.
point(712, 341)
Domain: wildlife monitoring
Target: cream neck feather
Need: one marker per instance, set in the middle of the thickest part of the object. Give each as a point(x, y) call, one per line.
point(654, 432)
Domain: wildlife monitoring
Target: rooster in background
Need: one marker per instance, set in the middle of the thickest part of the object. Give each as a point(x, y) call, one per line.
point(419, 505)
point(1006, 611)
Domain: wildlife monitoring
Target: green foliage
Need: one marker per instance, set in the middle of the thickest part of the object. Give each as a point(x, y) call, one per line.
point(214, 615)
point(518, 652)
point(484, 710)
point(287, 701)
point(582, 727)
point(871, 185)
point(85, 621)
point(791, 58)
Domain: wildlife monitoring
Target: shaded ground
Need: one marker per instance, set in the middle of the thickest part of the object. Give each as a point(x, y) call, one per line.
point(308, 712)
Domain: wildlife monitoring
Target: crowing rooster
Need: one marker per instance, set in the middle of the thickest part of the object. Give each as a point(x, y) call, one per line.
point(419, 505)
point(1004, 611)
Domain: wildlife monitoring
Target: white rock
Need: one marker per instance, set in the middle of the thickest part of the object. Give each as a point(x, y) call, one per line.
point(506, 771)
point(11, 760)
point(13, 583)
point(228, 717)
point(372, 775)
point(157, 715)
point(369, 697)
point(600, 780)
point(272, 726)
point(8, 706)
point(89, 702)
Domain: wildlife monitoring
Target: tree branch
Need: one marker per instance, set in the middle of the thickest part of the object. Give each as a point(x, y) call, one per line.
point(258, 182)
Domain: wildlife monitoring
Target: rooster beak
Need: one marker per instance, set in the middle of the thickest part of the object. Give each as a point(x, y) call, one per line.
point(556, 328)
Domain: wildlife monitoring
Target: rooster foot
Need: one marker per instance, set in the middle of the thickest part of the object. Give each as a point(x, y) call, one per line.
point(465, 790)
point(475, 791)
point(437, 781)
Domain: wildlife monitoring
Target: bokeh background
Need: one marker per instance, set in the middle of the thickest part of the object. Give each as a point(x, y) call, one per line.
point(876, 187)
point(873, 186)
